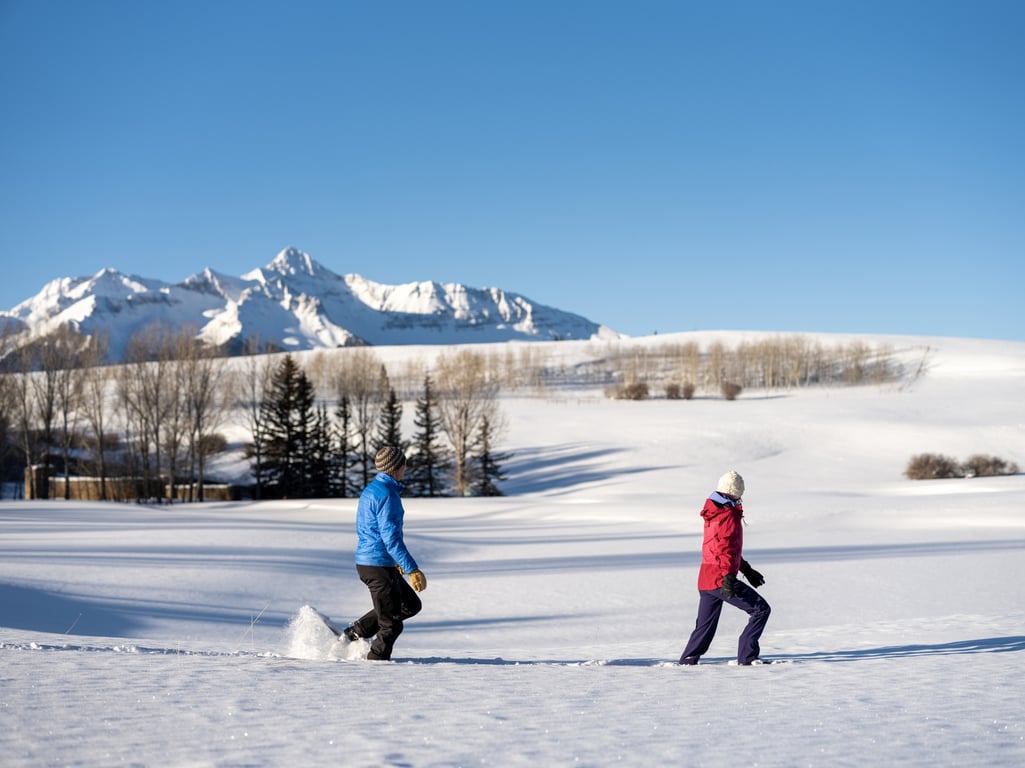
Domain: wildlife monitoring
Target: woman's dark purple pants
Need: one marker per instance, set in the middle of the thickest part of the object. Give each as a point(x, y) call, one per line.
point(710, 607)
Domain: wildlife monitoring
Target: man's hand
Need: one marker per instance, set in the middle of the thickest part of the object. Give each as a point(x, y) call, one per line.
point(418, 580)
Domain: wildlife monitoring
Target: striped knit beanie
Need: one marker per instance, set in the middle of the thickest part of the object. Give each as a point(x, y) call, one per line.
point(389, 459)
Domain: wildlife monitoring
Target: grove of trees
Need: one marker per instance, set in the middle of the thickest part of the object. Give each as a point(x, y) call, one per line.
point(150, 426)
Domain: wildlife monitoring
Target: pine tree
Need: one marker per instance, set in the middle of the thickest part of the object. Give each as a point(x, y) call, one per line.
point(486, 464)
point(347, 456)
point(389, 425)
point(291, 422)
point(320, 463)
point(430, 463)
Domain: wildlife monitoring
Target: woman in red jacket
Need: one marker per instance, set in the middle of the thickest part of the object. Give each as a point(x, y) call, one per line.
point(717, 579)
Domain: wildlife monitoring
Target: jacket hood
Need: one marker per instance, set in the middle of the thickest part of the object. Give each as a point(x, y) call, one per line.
point(716, 505)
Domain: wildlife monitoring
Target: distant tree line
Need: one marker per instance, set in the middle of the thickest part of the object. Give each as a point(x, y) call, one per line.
point(681, 370)
point(154, 418)
point(642, 368)
point(158, 418)
point(313, 422)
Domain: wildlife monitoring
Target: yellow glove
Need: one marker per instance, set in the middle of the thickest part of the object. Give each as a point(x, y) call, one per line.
point(399, 569)
point(418, 580)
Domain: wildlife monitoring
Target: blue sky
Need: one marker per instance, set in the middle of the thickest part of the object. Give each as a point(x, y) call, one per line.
point(654, 166)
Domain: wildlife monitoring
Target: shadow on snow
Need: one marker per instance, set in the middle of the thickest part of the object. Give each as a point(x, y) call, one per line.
point(1012, 644)
point(39, 610)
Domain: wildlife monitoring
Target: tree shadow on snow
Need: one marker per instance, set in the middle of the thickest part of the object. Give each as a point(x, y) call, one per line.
point(1013, 644)
point(871, 551)
point(40, 611)
point(561, 467)
point(499, 661)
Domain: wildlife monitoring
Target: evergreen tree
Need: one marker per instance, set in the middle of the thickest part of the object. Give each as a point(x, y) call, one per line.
point(291, 422)
point(486, 464)
point(430, 463)
point(321, 464)
point(389, 425)
point(347, 455)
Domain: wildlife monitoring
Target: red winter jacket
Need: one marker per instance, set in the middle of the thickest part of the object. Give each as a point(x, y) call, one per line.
point(724, 539)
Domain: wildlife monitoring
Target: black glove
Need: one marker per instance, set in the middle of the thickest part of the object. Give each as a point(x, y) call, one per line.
point(754, 578)
point(729, 584)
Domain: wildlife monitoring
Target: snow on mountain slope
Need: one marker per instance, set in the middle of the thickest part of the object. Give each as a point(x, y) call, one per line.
point(295, 303)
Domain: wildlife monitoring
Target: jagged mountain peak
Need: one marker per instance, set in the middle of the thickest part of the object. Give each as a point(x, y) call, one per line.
point(296, 303)
point(293, 261)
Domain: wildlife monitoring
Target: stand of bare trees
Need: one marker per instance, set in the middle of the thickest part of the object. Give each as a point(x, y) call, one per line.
point(785, 362)
point(154, 420)
point(173, 394)
point(467, 396)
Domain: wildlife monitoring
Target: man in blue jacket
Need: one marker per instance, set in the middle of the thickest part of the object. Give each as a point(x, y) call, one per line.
point(382, 558)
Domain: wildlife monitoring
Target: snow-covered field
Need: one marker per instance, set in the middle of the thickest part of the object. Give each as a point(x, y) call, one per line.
point(156, 636)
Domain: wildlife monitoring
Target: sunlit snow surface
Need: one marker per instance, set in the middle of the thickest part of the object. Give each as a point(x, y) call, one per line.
point(185, 636)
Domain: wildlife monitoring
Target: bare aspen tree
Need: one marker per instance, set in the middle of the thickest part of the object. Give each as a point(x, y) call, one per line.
point(175, 353)
point(6, 420)
point(363, 379)
point(207, 392)
point(133, 421)
point(318, 370)
point(855, 357)
point(883, 368)
point(67, 358)
point(144, 390)
point(96, 407)
point(466, 395)
point(8, 401)
point(410, 373)
point(688, 360)
point(25, 414)
point(44, 393)
point(795, 361)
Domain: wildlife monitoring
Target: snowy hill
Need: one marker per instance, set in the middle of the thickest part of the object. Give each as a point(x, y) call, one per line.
point(294, 303)
point(553, 617)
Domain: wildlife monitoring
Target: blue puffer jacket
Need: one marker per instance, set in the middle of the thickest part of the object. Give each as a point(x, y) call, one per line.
point(379, 526)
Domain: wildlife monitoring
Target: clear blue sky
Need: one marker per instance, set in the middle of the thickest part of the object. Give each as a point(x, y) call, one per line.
point(849, 165)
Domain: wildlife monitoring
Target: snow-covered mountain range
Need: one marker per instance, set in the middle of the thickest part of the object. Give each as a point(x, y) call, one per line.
point(294, 303)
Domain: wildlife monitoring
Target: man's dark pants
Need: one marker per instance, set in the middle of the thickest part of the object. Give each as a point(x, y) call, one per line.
point(710, 607)
point(394, 602)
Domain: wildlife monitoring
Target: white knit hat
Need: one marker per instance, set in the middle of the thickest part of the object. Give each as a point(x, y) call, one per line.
point(731, 484)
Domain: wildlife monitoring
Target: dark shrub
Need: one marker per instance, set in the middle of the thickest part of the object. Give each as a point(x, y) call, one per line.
point(637, 390)
point(932, 466)
point(688, 391)
point(981, 465)
point(730, 390)
point(672, 391)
